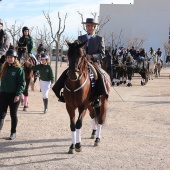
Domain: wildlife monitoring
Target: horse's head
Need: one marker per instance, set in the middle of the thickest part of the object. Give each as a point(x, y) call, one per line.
point(75, 55)
point(22, 48)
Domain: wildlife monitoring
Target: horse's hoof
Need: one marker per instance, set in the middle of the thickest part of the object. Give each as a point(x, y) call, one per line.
point(93, 134)
point(142, 83)
point(71, 151)
point(118, 84)
point(113, 83)
point(124, 82)
point(96, 142)
point(25, 108)
point(78, 147)
point(129, 84)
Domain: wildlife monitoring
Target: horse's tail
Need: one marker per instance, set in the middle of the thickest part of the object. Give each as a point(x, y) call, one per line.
point(97, 113)
point(100, 112)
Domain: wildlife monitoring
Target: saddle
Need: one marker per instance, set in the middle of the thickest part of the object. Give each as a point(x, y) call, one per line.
point(93, 70)
point(101, 82)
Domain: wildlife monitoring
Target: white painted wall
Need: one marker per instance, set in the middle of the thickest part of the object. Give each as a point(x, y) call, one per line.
point(144, 18)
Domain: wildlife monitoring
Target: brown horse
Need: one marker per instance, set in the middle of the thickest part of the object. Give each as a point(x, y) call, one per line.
point(77, 94)
point(23, 56)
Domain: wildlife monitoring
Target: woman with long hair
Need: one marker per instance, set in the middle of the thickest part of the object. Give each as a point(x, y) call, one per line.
point(12, 80)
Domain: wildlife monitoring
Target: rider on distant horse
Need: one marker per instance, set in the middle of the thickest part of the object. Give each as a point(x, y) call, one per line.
point(26, 37)
point(151, 53)
point(95, 52)
point(142, 54)
point(4, 43)
point(159, 55)
point(41, 49)
point(133, 52)
point(29, 42)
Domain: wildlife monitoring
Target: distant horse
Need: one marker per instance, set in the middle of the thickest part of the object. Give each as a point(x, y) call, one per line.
point(152, 64)
point(23, 56)
point(141, 67)
point(158, 66)
point(129, 68)
point(121, 70)
point(77, 93)
point(118, 69)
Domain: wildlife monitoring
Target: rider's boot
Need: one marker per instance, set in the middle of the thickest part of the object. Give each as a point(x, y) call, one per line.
point(45, 105)
point(100, 89)
point(59, 85)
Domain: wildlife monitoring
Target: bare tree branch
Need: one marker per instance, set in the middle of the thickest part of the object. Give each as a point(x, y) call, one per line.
point(56, 37)
point(14, 31)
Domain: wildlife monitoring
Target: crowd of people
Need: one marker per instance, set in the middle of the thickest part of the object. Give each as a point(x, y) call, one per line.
point(137, 55)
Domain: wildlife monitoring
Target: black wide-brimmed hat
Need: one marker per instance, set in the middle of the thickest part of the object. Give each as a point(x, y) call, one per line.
point(90, 21)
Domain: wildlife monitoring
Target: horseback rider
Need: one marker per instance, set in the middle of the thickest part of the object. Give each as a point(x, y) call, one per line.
point(133, 52)
point(4, 43)
point(159, 55)
point(142, 54)
point(41, 49)
point(151, 53)
point(29, 42)
point(115, 64)
point(26, 37)
point(95, 52)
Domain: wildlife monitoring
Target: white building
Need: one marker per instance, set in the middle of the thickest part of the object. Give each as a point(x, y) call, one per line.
point(149, 19)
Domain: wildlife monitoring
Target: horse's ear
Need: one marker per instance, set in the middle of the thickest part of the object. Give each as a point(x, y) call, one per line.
point(68, 43)
point(82, 44)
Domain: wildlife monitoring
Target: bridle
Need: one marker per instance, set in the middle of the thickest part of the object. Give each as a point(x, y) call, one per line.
point(78, 69)
point(79, 77)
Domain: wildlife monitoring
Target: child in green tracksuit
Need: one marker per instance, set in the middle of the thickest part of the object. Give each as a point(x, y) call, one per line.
point(46, 78)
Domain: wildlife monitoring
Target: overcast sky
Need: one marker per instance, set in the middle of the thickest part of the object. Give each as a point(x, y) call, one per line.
point(30, 12)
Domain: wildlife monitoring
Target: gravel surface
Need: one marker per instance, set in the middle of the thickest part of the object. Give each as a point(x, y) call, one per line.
point(136, 134)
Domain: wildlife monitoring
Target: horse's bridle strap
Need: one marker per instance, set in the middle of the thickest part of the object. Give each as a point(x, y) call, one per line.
point(77, 88)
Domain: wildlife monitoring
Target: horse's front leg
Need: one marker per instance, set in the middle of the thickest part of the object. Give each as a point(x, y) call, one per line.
point(71, 113)
point(82, 113)
point(151, 75)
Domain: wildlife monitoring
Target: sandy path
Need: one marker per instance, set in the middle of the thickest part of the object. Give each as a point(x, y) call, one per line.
point(136, 134)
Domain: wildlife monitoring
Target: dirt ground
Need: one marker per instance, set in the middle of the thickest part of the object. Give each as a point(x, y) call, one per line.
point(136, 134)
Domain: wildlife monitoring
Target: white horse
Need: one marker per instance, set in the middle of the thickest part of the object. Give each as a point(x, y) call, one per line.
point(152, 64)
point(158, 66)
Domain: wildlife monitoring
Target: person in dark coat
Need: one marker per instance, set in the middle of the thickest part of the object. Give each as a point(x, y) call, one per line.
point(4, 43)
point(95, 52)
point(133, 52)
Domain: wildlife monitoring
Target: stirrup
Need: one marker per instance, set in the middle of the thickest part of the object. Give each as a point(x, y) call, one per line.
point(96, 103)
